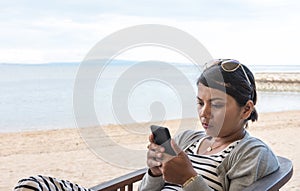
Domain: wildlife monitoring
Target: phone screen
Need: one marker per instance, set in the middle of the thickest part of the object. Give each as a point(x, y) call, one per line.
point(162, 137)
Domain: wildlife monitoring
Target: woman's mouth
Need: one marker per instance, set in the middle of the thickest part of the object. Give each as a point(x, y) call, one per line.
point(205, 125)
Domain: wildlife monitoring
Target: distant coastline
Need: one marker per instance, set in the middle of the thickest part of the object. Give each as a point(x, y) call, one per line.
point(278, 81)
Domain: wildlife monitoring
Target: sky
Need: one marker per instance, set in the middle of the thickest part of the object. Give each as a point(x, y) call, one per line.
point(252, 31)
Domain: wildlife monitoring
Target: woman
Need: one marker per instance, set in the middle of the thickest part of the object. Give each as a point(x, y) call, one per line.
point(224, 156)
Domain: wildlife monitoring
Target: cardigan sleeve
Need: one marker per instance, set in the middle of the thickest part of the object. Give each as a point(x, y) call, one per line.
point(249, 166)
point(198, 184)
point(150, 183)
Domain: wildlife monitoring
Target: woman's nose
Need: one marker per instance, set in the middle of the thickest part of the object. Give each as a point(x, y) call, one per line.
point(205, 111)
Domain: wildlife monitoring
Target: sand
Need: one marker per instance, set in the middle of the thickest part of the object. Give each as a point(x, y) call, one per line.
point(64, 154)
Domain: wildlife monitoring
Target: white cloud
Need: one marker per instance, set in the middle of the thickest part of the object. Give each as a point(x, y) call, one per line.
point(267, 34)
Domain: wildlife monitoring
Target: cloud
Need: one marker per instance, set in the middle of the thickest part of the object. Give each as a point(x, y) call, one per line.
point(253, 31)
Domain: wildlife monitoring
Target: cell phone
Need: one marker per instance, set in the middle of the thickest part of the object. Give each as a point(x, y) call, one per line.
point(162, 137)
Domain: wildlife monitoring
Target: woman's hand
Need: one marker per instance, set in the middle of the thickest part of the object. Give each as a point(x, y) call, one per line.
point(178, 169)
point(154, 157)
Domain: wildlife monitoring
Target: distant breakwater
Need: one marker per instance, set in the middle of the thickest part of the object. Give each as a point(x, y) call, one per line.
point(277, 81)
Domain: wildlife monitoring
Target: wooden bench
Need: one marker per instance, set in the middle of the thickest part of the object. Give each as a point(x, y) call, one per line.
point(271, 182)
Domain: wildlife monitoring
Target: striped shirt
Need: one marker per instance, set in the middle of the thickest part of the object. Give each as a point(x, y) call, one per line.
point(46, 183)
point(204, 165)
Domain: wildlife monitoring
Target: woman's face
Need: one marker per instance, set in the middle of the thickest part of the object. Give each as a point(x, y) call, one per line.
point(219, 113)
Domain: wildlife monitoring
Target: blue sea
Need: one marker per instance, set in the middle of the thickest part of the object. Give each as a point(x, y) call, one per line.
point(40, 96)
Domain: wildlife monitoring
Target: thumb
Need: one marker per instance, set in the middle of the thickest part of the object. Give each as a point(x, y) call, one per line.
point(175, 147)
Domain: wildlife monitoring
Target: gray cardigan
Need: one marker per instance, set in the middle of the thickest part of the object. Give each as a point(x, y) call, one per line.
point(250, 160)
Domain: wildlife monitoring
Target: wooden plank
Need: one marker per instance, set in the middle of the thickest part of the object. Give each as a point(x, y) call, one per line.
point(121, 181)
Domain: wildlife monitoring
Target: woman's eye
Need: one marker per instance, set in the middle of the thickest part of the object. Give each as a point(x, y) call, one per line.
point(200, 103)
point(217, 105)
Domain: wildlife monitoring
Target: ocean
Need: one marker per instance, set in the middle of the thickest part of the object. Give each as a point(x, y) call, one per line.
point(40, 96)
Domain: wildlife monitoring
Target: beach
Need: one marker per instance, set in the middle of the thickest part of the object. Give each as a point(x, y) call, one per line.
point(64, 154)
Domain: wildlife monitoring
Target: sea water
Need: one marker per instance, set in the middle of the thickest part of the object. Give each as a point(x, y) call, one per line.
point(40, 96)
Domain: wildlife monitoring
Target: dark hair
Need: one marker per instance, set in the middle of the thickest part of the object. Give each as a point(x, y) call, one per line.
point(233, 83)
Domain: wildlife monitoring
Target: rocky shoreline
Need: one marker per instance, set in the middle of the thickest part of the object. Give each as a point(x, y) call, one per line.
point(278, 81)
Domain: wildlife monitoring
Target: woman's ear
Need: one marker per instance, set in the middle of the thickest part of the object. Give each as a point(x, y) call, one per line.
point(247, 109)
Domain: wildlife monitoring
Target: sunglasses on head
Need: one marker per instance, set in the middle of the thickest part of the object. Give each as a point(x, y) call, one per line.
point(228, 65)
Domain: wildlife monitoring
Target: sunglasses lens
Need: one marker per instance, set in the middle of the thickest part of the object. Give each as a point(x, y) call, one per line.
point(230, 65)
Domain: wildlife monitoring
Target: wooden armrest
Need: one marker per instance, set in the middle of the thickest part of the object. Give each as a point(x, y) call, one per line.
point(122, 182)
point(271, 182)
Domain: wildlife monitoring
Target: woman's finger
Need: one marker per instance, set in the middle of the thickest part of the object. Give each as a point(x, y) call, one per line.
point(152, 154)
point(151, 138)
point(153, 159)
point(155, 147)
point(153, 163)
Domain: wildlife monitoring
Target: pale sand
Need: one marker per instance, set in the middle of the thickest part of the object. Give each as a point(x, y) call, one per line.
point(63, 153)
